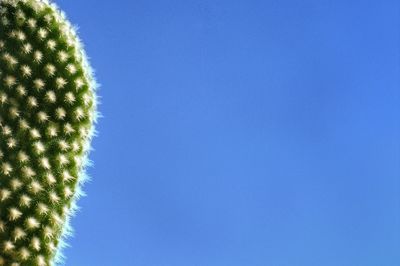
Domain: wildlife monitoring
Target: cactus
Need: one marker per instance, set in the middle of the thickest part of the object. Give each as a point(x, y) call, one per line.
point(47, 113)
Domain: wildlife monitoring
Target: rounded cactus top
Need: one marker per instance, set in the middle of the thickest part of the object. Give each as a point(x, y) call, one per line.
point(47, 112)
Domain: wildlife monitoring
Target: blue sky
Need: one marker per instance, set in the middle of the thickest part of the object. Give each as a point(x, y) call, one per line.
point(242, 133)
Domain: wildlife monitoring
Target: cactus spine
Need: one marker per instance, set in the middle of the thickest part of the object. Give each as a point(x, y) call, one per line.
point(47, 112)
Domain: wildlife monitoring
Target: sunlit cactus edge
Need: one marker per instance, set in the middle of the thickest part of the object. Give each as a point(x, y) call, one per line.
point(48, 108)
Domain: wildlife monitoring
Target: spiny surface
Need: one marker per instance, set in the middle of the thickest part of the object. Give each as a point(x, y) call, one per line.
point(47, 111)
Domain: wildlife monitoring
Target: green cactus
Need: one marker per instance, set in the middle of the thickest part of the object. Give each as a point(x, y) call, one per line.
point(47, 112)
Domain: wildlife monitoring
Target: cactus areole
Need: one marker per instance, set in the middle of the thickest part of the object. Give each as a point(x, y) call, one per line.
point(47, 112)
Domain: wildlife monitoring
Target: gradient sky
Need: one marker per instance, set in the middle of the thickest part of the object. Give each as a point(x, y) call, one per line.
point(242, 133)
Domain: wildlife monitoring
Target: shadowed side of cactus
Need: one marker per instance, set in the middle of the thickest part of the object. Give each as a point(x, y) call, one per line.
point(47, 112)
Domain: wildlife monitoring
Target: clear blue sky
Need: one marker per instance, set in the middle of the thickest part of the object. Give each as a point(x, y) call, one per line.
point(242, 133)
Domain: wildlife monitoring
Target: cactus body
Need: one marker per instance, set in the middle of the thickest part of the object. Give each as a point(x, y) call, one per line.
point(47, 112)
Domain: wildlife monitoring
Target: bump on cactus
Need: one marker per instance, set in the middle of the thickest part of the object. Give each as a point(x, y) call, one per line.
point(47, 112)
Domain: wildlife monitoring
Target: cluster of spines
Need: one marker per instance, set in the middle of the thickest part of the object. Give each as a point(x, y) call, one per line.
point(47, 110)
